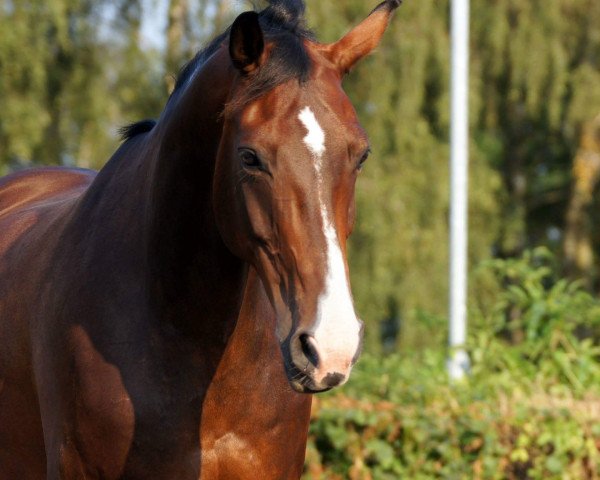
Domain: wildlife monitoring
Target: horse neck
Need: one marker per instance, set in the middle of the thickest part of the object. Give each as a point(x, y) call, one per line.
point(196, 282)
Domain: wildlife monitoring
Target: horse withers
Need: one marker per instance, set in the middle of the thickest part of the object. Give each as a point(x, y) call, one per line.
point(166, 317)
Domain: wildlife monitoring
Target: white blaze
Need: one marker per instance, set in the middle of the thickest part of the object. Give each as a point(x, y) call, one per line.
point(337, 330)
point(315, 138)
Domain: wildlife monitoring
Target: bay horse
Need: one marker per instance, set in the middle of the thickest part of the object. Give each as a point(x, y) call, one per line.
point(169, 316)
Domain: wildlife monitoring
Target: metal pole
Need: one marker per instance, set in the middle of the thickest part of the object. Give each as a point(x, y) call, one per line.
point(458, 362)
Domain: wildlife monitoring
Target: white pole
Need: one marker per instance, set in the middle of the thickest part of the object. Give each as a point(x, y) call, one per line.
point(458, 363)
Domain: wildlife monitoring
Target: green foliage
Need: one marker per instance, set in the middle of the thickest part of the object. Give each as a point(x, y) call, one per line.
point(523, 301)
point(529, 409)
point(481, 429)
point(65, 86)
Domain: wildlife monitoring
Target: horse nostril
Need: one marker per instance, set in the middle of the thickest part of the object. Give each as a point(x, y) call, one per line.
point(308, 349)
point(333, 379)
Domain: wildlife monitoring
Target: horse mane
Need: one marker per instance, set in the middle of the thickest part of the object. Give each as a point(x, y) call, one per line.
point(283, 24)
point(133, 129)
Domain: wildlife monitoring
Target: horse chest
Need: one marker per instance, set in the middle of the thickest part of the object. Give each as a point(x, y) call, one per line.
point(255, 431)
point(276, 454)
point(231, 456)
point(233, 440)
point(137, 423)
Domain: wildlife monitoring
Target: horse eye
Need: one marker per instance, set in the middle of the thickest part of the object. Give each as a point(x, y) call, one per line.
point(362, 160)
point(250, 159)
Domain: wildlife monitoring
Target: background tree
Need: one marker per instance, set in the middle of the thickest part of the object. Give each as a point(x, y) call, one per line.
point(578, 244)
point(73, 71)
point(535, 80)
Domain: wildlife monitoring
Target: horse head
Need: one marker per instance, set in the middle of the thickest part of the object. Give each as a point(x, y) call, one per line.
point(290, 154)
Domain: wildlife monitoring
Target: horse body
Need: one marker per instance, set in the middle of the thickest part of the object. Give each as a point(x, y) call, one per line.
point(29, 204)
point(143, 400)
point(145, 339)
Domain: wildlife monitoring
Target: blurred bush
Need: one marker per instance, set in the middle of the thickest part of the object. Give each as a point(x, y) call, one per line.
point(529, 410)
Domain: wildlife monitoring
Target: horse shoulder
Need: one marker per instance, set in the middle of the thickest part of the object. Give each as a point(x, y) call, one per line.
point(29, 201)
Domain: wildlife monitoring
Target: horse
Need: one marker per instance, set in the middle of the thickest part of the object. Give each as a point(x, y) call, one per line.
point(170, 316)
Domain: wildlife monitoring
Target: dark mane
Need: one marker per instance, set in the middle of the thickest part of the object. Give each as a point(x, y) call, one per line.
point(134, 129)
point(283, 23)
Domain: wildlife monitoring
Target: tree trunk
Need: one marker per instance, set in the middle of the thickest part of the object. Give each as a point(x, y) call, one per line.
point(578, 245)
point(177, 30)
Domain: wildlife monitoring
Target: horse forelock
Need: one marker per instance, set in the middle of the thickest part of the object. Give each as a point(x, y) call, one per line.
point(288, 13)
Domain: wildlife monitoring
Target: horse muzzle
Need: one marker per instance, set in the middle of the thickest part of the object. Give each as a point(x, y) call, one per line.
point(311, 367)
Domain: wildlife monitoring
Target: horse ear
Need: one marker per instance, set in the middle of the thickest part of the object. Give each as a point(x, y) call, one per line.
point(246, 42)
point(363, 38)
